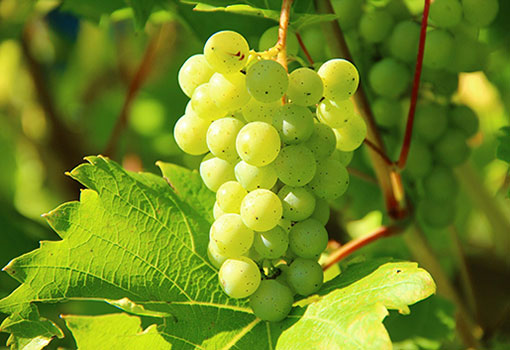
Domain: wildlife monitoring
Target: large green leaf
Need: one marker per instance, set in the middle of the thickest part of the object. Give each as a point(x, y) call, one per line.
point(114, 332)
point(139, 242)
point(350, 315)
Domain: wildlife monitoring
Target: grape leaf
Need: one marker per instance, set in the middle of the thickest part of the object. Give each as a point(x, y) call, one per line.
point(431, 323)
point(139, 242)
point(298, 20)
point(350, 315)
point(114, 332)
point(92, 10)
point(28, 330)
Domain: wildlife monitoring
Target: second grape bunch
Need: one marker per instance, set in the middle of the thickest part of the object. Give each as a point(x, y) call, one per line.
point(276, 147)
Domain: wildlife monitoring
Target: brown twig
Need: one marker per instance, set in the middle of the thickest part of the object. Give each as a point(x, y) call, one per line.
point(136, 83)
point(305, 50)
point(379, 151)
point(362, 175)
point(356, 244)
point(416, 87)
point(282, 33)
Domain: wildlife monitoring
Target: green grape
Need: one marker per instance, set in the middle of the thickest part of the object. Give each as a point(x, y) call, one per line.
point(430, 121)
point(322, 143)
point(389, 78)
point(272, 301)
point(308, 238)
point(305, 276)
point(190, 134)
point(252, 177)
point(375, 26)
point(203, 104)
point(419, 161)
point(340, 78)
point(351, 136)
point(258, 143)
point(226, 52)
point(335, 114)
point(398, 9)
point(436, 214)
point(221, 138)
point(267, 81)
point(443, 82)
point(321, 212)
point(438, 49)
point(446, 13)
point(261, 210)
point(255, 111)
point(480, 13)
point(465, 119)
point(193, 73)
point(404, 41)
point(271, 244)
point(239, 277)
point(230, 235)
point(215, 172)
point(269, 38)
point(387, 111)
point(229, 197)
point(294, 123)
point(331, 179)
point(285, 224)
point(305, 87)
point(313, 38)
point(295, 165)
point(468, 54)
point(298, 202)
point(214, 255)
point(217, 212)
point(440, 184)
point(229, 90)
point(343, 157)
point(349, 12)
point(253, 255)
point(452, 150)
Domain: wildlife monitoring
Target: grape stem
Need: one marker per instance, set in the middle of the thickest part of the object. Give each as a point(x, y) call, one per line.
point(281, 44)
point(379, 151)
point(356, 244)
point(305, 50)
point(136, 83)
point(402, 160)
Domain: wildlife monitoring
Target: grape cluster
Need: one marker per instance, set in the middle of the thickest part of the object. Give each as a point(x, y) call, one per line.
point(277, 146)
point(384, 39)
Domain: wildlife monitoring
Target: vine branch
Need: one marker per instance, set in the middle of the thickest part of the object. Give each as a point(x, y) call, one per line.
point(134, 86)
point(402, 160)
point(356, 244)
point(305, 50)
point(282, 33)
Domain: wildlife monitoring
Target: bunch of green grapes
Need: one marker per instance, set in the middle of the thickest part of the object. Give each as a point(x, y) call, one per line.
point(384, 37)
point(276, 147)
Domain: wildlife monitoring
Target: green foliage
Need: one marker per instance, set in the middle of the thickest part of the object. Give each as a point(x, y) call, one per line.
point(353, 312)
point(503, 151)
point(114, 332)
point(139, 242)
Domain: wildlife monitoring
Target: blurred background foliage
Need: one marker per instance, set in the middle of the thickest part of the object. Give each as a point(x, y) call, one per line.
point(75, 81)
